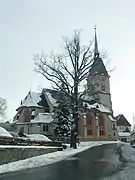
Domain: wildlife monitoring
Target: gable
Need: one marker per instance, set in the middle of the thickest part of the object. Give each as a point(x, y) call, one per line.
point(31, 100)
point(122, 121)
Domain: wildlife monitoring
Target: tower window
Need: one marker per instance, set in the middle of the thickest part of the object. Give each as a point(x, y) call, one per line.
point(103, 88)
point(45, 127)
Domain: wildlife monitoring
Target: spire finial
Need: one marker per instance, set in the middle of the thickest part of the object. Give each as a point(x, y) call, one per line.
point(96, 53)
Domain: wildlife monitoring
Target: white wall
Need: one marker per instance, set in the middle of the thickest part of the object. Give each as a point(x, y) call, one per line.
point(123, 128)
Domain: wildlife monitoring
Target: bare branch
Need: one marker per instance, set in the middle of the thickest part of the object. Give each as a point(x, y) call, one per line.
point(3, 107)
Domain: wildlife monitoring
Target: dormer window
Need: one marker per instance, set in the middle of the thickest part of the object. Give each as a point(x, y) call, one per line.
point(17, 117)
point(33, 114)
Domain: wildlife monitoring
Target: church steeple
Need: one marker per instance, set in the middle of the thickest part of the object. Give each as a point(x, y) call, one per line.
point(96, 52)
point(98, 66)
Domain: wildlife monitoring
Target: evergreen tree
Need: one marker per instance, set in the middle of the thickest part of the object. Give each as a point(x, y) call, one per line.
point(62, 121)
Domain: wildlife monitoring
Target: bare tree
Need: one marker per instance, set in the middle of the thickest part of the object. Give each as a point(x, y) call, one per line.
point(3, 107)
point(68, 72)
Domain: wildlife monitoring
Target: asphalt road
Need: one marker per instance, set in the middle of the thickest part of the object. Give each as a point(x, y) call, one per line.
point(93, 164)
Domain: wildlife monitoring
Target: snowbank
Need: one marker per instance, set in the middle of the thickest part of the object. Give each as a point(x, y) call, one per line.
point(4, 133)
point(26, 147)
point(127, 172)
point(38, 137)
point(48, 158)
point(124, 134)
point(128, 152)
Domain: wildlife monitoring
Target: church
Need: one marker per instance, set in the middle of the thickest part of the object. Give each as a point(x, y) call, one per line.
point(97, 122)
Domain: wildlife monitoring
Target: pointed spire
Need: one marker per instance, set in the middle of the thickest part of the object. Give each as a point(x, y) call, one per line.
point(96, 53)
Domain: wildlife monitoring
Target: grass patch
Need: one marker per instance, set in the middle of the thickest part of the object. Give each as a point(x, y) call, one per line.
point(14, 154)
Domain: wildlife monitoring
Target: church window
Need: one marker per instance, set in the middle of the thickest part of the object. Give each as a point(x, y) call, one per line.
point(102, 133)
point(103, 88)
point(89, 132)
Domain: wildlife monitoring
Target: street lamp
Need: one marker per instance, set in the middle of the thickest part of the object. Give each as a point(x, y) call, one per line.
point(97, 123)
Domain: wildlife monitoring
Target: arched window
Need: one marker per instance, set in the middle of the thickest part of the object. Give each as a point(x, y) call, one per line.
point(101, 125)
point(90, 124)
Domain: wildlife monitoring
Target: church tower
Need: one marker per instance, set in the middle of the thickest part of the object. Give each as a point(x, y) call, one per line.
point(98, 81)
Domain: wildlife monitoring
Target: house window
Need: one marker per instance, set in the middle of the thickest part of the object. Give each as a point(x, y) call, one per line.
point(114, 134)
point(102, 87)
point(45, 127)
point(89, 132)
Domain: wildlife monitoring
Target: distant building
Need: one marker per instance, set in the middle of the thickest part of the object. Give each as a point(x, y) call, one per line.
point(122, 124)
point(124, 136)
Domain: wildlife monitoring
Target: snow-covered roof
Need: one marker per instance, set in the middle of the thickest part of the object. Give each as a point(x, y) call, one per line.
point(88, 97)
point(123, 134)
point(112, 118)
point(99, 107)
point(4, 133)
point(42, 118)
point(51, 99)
point(31, 100)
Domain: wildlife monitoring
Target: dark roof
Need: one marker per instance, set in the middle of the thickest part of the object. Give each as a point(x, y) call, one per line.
point(122, 121)
point(98, 67)
point(58, 96)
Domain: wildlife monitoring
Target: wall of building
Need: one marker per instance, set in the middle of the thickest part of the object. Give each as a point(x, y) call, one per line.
point(97, 81)
point(112, 129)
point(98, 126)
point(35, 128)
point(28, 128)
point(101, 91)
point(123, 128)
point(25, 114)
point(47, 131)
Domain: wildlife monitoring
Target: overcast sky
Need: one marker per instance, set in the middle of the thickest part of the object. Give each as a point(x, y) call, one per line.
point(31, 26)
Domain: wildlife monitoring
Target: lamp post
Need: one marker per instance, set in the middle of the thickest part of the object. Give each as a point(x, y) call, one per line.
point(85, 125)
point(97, 124)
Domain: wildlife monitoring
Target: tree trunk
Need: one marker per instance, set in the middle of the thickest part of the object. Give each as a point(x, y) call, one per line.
point(74, 131)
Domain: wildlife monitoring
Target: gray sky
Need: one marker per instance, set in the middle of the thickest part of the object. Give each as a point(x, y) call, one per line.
point(31, 26)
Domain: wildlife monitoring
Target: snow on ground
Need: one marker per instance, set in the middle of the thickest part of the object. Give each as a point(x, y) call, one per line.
point(27, 147)
point(127, 172)
point(48, 158)
point(4, 132)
